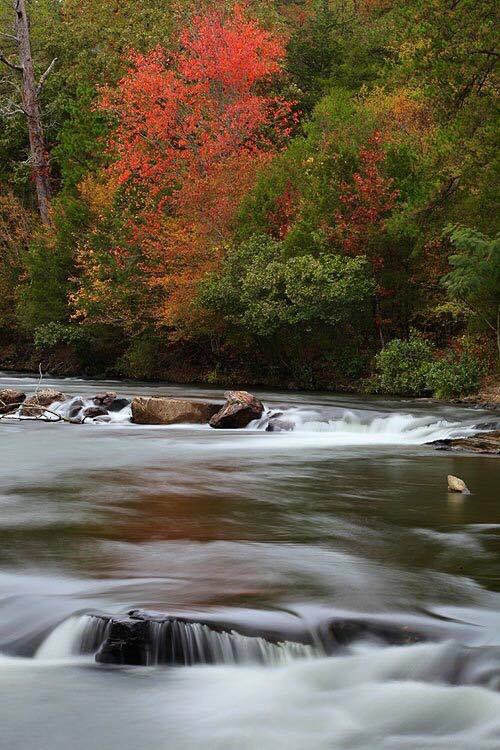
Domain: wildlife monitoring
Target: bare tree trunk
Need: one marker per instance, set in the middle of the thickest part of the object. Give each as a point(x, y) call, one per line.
point(30, 92)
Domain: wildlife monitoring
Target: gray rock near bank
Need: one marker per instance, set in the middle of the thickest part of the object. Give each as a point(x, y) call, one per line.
point(165, 410)
point(10, 400)
point(241, 409)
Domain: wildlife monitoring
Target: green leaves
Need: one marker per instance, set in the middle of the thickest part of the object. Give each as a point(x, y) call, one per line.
point(262, 291)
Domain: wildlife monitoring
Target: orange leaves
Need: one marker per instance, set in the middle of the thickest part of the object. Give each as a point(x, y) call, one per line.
point(228, 50)
point(177, 115)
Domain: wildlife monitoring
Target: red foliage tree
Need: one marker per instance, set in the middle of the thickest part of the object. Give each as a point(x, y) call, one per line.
point(192, 132)
point(366, 201)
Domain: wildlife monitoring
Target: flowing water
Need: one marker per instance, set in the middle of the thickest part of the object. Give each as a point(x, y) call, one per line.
point(343, 518)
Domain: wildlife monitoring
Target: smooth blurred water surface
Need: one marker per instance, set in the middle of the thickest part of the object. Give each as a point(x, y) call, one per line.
point(348, 513)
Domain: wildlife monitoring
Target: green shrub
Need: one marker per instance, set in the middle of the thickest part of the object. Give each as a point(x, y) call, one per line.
point(453, 377)
point(402, 367)
point(53, 334)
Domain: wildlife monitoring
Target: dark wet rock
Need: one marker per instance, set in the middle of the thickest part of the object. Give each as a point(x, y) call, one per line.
point(169, 639)
point(118, 404)
point(10, 400)
point(35, 405)
point(104, 399)
point(165, 410)
point(486, 442)
point(128, 642)
point(94, 411)
point(488, 426)
point(241, 409)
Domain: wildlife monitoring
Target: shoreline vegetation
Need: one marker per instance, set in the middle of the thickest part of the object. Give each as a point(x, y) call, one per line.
point(296, 195)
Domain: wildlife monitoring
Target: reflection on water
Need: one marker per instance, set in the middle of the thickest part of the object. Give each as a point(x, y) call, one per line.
point(351, 518)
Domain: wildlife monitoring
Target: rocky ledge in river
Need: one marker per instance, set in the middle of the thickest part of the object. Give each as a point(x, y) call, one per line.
point(483, 442)
point(151, 638)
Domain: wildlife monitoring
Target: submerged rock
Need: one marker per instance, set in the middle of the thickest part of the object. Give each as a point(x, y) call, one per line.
point(455, 484)
point(10, 400)
point(35, 405)
point(241, 409)
point(165, 410)
point(486, 442)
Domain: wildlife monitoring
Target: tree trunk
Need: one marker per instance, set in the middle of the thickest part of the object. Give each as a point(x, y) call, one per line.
point(39, 156)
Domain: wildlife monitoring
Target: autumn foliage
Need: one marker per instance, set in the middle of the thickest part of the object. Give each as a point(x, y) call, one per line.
point(193, 129)
point(365, 202)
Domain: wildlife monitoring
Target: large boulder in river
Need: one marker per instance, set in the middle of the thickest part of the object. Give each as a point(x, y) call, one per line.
point(165, 410)
point(241, 409)
point(35, 405)
point(10, 400)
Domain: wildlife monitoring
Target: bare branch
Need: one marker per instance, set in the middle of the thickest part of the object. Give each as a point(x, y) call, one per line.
point(43, 78)
point(11, 37)
point(9, 64)
point(12, 109)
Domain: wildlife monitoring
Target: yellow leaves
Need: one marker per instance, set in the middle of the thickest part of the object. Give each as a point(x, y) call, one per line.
point(99, 193)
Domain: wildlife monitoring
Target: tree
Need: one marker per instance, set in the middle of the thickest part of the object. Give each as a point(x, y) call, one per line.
point(30, 92)
point(193, 129)
point(475, 278)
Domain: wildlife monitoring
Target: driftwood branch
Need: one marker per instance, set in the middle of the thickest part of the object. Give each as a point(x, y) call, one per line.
point(39, 417)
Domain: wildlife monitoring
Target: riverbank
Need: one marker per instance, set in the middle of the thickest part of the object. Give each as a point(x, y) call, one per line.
point(63, 363)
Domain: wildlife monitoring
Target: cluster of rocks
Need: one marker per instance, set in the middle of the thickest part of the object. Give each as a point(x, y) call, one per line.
point(237, 412)
point(79, 409)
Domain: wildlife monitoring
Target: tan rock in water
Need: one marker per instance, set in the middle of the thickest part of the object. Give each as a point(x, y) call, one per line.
point(164, 410)
point(10, 400)
point(240, 409)
point(457, 485)
point(35, 405)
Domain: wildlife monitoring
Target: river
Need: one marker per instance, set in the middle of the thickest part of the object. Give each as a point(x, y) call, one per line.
point(345, 517)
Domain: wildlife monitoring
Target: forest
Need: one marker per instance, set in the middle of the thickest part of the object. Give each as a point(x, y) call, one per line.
point(299, 194)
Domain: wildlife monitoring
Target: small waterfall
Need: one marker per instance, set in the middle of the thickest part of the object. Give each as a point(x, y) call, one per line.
point(357, 427)
point(177, 642)
point(78, 635)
